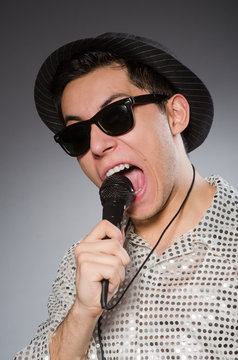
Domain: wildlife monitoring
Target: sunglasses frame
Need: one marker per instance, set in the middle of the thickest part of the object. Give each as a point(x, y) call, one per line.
point(128, 102)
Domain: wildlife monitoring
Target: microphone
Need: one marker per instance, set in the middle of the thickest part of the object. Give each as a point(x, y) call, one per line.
point(116, 194)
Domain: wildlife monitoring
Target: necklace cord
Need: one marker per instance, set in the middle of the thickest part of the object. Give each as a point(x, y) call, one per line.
point(142, 265)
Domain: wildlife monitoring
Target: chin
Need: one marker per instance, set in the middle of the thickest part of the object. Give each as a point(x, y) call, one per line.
point(147, 210)
point(142, 214)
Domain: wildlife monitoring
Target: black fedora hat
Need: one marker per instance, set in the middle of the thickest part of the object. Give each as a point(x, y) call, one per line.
point(141, 50)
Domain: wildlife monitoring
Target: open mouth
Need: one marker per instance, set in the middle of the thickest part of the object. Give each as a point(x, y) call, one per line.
point(133, 173)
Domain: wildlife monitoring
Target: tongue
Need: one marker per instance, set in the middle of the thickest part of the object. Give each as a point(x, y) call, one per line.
point(137, 178)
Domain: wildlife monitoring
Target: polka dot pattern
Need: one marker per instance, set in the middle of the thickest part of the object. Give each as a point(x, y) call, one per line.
point(183, 304)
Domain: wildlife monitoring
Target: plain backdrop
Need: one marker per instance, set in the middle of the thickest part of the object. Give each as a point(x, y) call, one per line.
point(46, 202)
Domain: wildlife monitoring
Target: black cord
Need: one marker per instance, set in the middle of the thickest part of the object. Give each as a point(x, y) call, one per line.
point(146, 259)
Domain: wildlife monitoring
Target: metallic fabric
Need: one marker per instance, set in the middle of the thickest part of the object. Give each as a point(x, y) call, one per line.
point(182, 306)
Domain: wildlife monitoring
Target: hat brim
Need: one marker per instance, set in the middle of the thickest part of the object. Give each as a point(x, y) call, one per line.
point(141, 50)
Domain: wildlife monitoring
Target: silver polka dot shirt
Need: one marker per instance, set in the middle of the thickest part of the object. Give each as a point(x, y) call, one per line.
point(181, 306)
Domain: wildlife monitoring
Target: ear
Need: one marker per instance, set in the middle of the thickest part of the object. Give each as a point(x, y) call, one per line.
point(177, 113)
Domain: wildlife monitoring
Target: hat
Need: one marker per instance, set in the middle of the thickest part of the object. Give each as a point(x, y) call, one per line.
point(141, 50)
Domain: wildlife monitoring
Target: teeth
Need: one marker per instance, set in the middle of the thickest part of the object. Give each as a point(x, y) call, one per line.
point(117, 169)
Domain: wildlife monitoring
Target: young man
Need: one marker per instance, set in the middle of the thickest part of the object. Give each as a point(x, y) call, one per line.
point(121, 103)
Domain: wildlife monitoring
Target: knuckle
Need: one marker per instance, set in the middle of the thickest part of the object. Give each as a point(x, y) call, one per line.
point(123, 274)
point(116, 245)
point(117, 262)
point(78, 248)
point(78, 252)
point(126, 258)
point(114, 274)
point(84, 267)
point(113, 246)
point(105, 222)
point(81, 258)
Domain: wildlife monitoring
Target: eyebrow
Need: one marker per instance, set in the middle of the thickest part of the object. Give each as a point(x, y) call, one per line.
point(106, 102)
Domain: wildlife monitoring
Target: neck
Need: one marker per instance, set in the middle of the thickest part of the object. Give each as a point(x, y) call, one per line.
point(193, 210)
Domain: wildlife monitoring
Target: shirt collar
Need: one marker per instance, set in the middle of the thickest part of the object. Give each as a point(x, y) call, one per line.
point(185, 243)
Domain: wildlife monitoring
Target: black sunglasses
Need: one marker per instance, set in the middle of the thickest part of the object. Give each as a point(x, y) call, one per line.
point(114, 120)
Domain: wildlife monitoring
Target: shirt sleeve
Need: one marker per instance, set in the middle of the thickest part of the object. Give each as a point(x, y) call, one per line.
point(60, 302)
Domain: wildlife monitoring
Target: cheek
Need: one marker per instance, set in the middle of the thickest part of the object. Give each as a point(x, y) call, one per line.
point(151, 123)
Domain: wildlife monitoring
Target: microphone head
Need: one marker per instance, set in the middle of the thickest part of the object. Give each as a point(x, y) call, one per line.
point(117, 188)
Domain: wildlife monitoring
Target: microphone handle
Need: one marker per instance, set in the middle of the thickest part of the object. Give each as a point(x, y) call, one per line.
point(113, 211)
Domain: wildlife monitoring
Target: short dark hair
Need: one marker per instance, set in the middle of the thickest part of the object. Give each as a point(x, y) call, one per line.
point(140, 75)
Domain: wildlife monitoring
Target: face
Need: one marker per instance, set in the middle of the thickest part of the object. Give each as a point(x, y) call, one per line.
point(148, 148)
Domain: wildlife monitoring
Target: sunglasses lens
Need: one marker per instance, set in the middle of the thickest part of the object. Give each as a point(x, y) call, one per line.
point(116, 120)
point(76, 139)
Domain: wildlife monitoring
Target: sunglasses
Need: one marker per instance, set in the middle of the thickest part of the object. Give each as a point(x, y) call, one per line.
point(114, 120)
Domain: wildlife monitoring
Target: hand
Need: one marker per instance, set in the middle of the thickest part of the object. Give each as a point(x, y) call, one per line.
point(98, 258)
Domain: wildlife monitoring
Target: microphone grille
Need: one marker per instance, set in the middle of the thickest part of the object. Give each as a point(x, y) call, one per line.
point(117, 188)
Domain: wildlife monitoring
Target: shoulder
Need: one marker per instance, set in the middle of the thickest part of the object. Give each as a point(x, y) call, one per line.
point(226, 193)
point(222, 219)
point(225, 202)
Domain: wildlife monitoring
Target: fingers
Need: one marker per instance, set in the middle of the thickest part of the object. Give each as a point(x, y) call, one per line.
point(102, 230)
point(98, 258)
point(98, 248)
point(94, 272)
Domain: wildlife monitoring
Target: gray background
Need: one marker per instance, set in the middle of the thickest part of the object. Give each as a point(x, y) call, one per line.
point(46, 203)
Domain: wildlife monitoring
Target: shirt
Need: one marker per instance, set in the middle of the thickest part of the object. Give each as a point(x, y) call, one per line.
point(182, 305)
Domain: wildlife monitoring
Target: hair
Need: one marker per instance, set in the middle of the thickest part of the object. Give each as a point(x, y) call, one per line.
point(140, 75)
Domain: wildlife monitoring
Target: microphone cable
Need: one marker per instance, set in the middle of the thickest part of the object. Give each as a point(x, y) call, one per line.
point(141, 267)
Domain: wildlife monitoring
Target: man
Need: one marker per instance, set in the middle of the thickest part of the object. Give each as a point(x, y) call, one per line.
point(121, 103)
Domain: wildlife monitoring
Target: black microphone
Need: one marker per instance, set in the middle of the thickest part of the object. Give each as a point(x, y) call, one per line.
point(116, 194)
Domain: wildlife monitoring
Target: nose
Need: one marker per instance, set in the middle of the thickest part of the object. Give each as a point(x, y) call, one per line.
point(101, 143)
